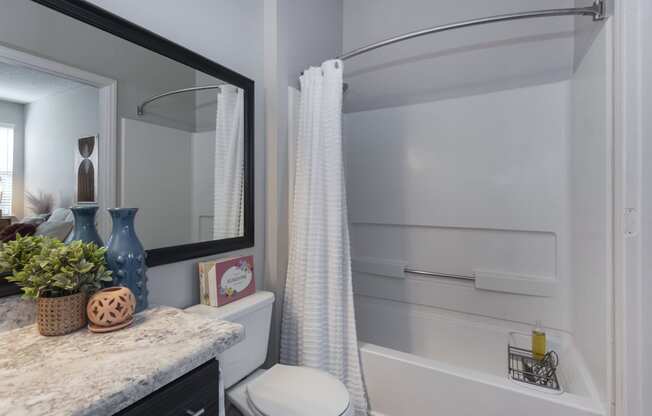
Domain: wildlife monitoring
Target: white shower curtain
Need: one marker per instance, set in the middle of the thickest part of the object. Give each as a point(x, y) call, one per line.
point(318, 327)
point(229, 164)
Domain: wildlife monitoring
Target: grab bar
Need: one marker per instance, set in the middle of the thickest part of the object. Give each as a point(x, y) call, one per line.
point(437, 274)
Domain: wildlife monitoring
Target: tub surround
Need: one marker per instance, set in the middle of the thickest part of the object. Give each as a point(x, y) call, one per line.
point(85, 373)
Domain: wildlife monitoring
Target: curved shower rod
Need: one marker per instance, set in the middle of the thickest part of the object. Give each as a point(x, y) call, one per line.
point(596, 10)
point(140, 110)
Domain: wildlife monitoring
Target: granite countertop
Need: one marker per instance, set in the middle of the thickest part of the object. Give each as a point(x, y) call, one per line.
point(16, 313)
point(84, 373)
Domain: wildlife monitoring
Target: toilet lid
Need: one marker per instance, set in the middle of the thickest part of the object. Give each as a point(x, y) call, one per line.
point(298, 391)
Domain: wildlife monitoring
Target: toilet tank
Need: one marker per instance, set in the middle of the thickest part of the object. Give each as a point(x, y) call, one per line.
point(255, 314)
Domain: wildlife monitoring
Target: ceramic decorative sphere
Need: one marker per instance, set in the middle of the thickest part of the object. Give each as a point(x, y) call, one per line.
point(111, 307)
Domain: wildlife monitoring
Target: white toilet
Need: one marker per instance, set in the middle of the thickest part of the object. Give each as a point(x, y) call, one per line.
point(282, 390)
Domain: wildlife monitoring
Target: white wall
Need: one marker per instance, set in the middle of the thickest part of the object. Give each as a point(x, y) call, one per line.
point(157, 179)
point(591, 208)
point(13, 113)
point(230, 33)
point(52, 127)
point(469, 183)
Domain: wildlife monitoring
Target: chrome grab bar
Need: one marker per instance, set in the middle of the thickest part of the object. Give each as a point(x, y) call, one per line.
point(437, 274)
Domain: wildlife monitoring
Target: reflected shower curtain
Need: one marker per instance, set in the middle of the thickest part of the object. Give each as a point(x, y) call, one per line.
point(229, 164)
point(318, 326)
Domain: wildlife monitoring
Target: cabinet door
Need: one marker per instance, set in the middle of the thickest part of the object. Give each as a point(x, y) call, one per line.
point(195, 393)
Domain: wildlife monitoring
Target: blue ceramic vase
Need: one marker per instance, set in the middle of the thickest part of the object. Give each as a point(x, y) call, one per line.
point(85, 229)
point(125, 255)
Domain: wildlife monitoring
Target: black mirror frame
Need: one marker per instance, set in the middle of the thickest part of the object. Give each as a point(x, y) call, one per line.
point(115, 25)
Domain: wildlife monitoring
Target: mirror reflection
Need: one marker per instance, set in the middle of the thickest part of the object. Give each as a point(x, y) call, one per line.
point(89, 118)
point(186, 174)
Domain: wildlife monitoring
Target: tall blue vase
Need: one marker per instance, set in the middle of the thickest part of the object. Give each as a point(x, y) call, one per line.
point(84, 228)
point(126, 256)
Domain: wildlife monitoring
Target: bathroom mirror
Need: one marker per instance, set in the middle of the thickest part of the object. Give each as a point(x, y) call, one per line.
point(97, 110)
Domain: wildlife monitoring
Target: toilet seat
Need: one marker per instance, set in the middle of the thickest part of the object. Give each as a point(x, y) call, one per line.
point(297, 391)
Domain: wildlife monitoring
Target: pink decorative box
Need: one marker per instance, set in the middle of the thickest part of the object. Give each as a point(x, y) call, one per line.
point(226, 280)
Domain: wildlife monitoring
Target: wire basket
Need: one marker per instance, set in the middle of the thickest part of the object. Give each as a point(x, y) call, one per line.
point(524, 368)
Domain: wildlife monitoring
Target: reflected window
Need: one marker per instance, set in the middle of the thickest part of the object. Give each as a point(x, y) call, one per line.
point(6, 168)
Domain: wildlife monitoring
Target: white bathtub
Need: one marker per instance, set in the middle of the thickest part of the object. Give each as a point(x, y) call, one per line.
point(418, 361)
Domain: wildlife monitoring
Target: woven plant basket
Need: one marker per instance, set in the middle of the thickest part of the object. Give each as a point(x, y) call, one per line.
point(60, 316)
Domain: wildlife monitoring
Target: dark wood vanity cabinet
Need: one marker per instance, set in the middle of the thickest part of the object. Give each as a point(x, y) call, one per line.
point(195, 393)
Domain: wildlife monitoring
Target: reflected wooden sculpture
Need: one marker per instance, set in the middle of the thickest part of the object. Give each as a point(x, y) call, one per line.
point(86, 169)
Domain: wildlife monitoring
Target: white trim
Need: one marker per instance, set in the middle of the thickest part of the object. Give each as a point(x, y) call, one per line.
point(107, 193)
point(108, 102)
point(294, 96)
point(14, 57)
point(627, 209)
point(611, 241)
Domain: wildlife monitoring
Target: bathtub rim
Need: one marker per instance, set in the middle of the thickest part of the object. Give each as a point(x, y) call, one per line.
point(588, 404)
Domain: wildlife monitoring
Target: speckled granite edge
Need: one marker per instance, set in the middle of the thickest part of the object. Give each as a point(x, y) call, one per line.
point(16, 313)
point(100, 374)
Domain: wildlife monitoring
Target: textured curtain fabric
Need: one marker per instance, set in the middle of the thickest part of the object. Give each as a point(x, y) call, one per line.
point(229, 164)
point(318, 325)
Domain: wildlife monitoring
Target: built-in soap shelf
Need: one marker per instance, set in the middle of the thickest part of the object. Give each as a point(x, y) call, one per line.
point(481, 279)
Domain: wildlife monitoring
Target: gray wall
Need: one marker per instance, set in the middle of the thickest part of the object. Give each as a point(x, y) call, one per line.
point(298, 34)
point(13, 113)
point(231, 33)
point(52, 127)
point(310, 32)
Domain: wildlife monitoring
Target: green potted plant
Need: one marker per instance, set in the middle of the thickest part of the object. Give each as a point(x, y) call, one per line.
point(59, 276)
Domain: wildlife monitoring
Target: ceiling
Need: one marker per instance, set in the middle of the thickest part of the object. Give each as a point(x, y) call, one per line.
point(461, 62)
point(24, 85)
